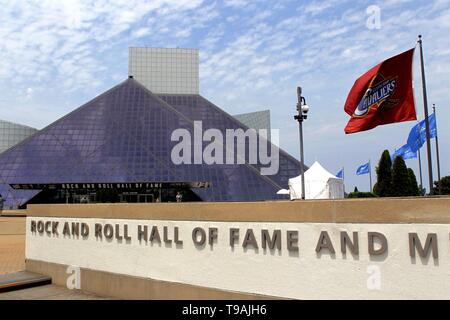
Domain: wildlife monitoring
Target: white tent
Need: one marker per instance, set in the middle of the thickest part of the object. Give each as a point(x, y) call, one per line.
point(319, 184)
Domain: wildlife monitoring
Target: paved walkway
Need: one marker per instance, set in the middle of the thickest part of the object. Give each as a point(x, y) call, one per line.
point(12, 244)
point(50, 292)
point(12, 259)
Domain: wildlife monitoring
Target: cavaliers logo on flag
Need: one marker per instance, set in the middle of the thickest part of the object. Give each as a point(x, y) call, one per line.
point(377, 96)
point(382, 95)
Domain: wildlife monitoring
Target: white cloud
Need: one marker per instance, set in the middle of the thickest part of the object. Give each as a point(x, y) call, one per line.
point(333, 33)
point(63, 38)
point(317, 6)
point(141, 32)
point(29, 93)
point(236, 3)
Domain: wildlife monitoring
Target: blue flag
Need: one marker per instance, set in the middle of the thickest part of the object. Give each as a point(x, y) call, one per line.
point(405, 152)
point(417, 135)
point(340, 174)
point(433, 127)
point(363, 169)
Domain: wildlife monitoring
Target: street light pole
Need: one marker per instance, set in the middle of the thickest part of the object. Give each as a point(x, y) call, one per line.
point(302, 160)
point(302, 109)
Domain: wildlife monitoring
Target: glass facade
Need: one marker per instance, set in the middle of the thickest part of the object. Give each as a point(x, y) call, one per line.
point(124, 135)
point(165, 70)
point(10, 135)
point(256, 120)
point(13, 133)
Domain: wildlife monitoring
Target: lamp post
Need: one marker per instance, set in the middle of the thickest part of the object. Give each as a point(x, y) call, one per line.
point(302, 109)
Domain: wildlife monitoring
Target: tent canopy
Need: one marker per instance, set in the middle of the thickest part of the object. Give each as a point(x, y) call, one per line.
point(319, 184)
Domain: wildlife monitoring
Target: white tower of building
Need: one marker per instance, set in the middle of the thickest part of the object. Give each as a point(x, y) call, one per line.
point(165, 70)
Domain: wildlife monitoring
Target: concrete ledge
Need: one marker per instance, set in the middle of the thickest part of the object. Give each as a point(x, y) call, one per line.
point(13, 213)
point(22, 280)
point(379, 210)
point(135, 288)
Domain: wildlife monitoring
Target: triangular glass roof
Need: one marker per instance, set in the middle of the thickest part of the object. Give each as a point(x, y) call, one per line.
point(124, 135)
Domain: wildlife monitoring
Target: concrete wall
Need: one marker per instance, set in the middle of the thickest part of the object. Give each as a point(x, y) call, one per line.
point(12, 244)
point(299, 269)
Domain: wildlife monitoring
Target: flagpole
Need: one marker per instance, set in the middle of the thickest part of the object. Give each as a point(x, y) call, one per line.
point(343, 179)
point(437, 151)
point(420, 172)
point(370, 176)
point(427, 123)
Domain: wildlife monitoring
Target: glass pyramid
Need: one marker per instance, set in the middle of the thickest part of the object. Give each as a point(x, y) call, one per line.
point(124, 135)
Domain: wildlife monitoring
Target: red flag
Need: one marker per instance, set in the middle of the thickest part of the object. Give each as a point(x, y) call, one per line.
point(382, 95)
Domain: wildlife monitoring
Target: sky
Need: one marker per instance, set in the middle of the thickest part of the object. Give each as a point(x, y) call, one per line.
point(57, 55)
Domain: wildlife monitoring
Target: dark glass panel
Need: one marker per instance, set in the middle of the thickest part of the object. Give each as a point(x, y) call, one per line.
point(124, 135)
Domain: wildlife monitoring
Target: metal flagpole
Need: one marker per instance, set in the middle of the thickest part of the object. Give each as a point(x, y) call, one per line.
point(427, 123)
point(370, 176)
point(343, 179)
point(420, 172)
point(437, 150)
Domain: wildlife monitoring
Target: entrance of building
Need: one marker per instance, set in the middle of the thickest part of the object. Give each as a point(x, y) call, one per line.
point(146, 198)
point(134, 197)
point(147, 192)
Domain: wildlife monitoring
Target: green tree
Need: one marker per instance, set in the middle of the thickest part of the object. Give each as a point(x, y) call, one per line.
point(413, 186)
point(400, 178)
point(445, 186)
point(383, 186)
point(361, 195)
point(374, 188)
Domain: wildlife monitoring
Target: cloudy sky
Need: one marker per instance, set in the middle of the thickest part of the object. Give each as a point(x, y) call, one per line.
point(56, 55)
